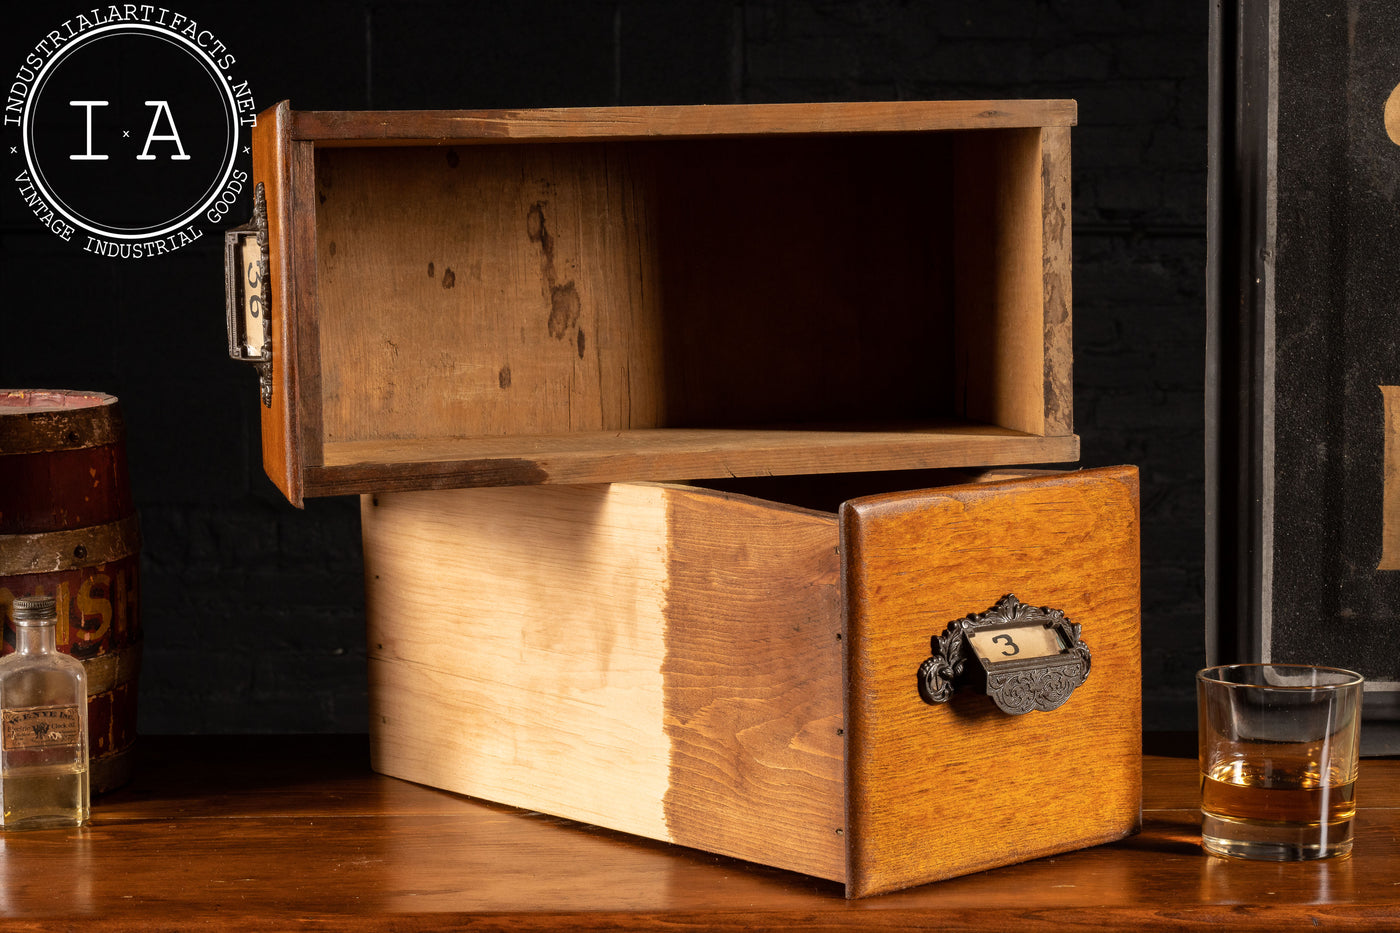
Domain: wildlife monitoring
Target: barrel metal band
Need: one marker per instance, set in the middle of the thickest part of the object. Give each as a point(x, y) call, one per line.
point(28, 432)
point(52, 551)
point(106, 671)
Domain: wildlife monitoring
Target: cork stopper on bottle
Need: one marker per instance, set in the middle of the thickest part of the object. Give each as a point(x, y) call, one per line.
point(35, 610)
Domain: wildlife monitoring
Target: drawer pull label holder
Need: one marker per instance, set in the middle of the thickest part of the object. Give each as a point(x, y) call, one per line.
point(248, 303)
point(1023, 657)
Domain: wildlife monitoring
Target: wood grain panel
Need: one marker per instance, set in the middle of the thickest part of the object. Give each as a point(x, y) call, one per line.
point(1000, 284)
point(937, 791)
point(1057, 263)
point(281, 448)
point(753, 682)
point(308, 310)
point(516, 640)
point(666, 454)
point(658, 660)
point(484, 291)
point(418, 127)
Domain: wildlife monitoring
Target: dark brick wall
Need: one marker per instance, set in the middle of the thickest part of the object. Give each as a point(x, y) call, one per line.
point(254, 610)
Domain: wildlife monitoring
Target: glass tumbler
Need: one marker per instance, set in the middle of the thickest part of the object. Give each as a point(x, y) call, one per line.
point(1279, 758)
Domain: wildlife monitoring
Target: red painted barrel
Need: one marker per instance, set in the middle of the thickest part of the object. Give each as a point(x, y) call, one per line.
point(68, 529)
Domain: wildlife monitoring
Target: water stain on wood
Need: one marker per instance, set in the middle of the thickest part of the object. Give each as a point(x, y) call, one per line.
point(564, 303)
point(449, 278)
point(536, 230)
point(564, 309)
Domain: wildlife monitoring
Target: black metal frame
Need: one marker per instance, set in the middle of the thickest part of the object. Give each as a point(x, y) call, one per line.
point(1236, 217)
point(1240, 352)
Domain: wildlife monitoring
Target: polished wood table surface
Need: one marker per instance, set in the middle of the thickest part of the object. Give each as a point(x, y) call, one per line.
point(277, 833)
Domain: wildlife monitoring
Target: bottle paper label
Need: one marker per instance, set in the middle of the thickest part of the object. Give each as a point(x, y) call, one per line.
point(40, 727)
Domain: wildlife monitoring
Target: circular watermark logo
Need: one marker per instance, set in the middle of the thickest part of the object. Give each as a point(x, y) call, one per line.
point(132, 129)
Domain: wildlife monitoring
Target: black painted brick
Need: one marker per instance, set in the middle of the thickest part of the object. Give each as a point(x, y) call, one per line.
point(254, 610)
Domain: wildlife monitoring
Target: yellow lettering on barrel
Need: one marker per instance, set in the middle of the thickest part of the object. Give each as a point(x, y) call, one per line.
point(7, 602)
point(1390, 497)
point(93, 602)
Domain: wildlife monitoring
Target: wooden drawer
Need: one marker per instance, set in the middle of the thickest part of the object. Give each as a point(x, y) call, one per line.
point(741, 675)
point(580, 296)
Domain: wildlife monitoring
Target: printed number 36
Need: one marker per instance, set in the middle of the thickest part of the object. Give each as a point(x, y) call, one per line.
point(254, 289)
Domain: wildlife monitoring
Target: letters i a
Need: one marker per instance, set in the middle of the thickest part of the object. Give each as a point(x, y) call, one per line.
point(161, 107)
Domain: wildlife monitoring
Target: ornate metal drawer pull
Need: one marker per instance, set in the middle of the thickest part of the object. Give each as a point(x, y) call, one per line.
point(247, 295)
point(1021, 656)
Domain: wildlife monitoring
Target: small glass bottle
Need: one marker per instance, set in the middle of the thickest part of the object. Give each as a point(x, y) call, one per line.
point(43, 725)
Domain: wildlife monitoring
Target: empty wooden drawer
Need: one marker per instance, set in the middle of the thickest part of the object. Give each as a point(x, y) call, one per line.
point(576, 296)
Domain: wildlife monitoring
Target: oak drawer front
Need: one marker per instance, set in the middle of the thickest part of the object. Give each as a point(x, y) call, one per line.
point(937, 790)
point(679, 663)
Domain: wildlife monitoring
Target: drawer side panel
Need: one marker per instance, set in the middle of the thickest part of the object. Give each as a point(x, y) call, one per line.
point(515, 642)
point(999, 291)
point(752, 678)
point(651, 659)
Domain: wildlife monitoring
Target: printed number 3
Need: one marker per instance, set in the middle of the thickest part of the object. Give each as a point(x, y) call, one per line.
point(1006, 640)
point(254, 300)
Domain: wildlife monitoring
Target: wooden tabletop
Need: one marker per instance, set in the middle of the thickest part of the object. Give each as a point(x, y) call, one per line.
point(268, 833)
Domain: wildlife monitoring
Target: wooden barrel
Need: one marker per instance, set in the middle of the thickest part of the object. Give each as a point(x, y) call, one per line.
point(68, 529)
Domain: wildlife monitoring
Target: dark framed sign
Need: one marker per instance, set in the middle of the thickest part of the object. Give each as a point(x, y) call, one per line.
point(1303, 354)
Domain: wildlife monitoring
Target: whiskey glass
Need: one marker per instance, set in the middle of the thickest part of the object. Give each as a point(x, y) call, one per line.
point(1279, 758)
